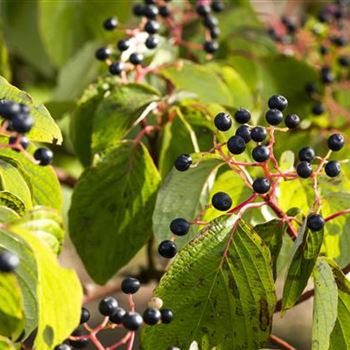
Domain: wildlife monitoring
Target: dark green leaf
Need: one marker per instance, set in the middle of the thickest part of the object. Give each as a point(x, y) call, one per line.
point(229, 293)
point(325, 305)
point(181, 196)
point(199, 80)
point(11, 308)
point(110, 214)
point(41, 180)
point(272, 234)
point(45, 129)
point(27, 277)
point(306, 250)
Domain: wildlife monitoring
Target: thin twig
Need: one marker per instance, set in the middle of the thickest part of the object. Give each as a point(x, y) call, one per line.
point(282, 343)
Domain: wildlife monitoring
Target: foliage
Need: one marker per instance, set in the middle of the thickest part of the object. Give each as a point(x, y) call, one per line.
point(117, 128)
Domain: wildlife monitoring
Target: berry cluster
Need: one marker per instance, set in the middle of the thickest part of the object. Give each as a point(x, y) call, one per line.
point(265, 187)
point(8, 261)
point(155, 14)
point(117, 317)
point(324, 44)
point(17, 122)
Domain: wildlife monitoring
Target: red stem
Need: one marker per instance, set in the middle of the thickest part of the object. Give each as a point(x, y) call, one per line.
point(335, 215)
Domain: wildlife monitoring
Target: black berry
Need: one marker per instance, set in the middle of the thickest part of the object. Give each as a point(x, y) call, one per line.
point(258, 134)
point(278, 102)
point(81, 343)
point(151, 316)
point(244, 132)
point(292, 121)
point(327, 76)
point(132, 321)
point(315, 222)
point(242, 116)
point(210, 22)
point(344, 61)
point(22, 123)
point(179, 226)
point(103, 53)
point(23, 141)
point(138, 10)
point(167, 249)
point(304, 169)
point(136, 58)
point(221, 201)
point(324, 50)
point(183, 162)
point(318, 109)
point(130, 285)
point(108, 306)
point(310, 88)
point(164, 11)
point(151, 11)
point(236, 144)
point(261, 153)
point(44, 156)
point(166, 315)
point(336, 142)
point(210, 46)
point(116, 68)
point(306, 154)
point(261, 185)
point(85, 315)
point(117, 316)
point(8, 261)
point(63, 347)
point(151, 42)
point(110, 23)
point(152, 27)
point(217, 6)
point(123, 45)
point(203, 10)
point(215, 32)
point(9, 109)
point(332, 168)
point(274, 116)
point(223, 121)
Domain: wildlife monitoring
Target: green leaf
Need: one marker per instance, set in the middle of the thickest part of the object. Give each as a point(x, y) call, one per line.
point(27, 276)
point(229, 298)
point(11, 201)
point(17, 17)
point(7, 214)
point(271, 233)
point(6, 344)
point(41, 180)
point(83, 116)
point(45, 129)
point(58, 18)
point(12, 181)
point(288, 76)
point(44, 223)
point(112, 204)
point(177, 138)
point(57, 287)
point(337, 231)
point(117, 113)
point(77, 73)
point(199, 80)
point(306, 250)
point(340, 336)
point(241, 93)
point(181, 196)
point(11, 306)
point(325, 305)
